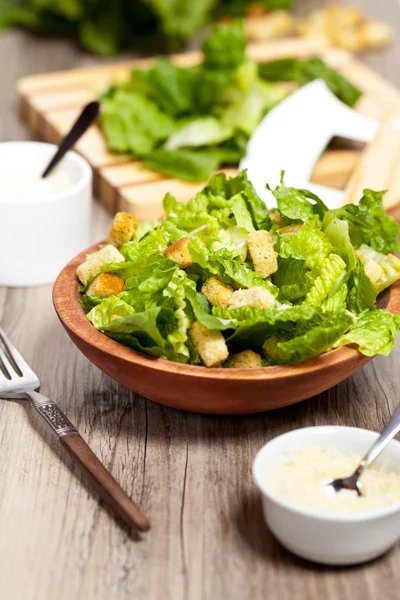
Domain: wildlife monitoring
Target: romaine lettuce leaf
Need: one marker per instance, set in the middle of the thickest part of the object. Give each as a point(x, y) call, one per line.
point(315, 68)
point(361, 291)
point(374, 333)
point(248, 108)
point(225, 48)
point(304, 71)
point(241, 213)
point(253, 325)
point(295, 205)
point(88, 302)
point(333, 271)
point(205, 131)
point(293, 279)
point(368, 223)
point(222, 189)
point(143, 326)
point(190, 165)
point(171, 87)
point(133, 123)
point(309, 243)
point(233, 240)
point(313, 342)
point(101, 314)
point(178, 337)
point(337, 301)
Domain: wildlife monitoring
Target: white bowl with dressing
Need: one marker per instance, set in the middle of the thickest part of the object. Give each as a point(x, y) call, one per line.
point(43, 222)
point(333, 538)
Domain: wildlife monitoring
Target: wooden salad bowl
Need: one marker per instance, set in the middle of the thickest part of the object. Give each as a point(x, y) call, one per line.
point(195, 388)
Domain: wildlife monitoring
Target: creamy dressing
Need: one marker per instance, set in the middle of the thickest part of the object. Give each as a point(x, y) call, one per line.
point(22, 183)
point(299, 478)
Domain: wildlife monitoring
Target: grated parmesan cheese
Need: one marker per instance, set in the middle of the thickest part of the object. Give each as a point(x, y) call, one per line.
point(300, 475)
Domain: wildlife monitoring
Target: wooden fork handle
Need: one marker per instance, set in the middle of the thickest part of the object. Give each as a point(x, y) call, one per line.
point(103, 482)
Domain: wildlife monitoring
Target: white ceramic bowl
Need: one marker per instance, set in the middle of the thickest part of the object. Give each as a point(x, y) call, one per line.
point(38, 237)
point(333, 539)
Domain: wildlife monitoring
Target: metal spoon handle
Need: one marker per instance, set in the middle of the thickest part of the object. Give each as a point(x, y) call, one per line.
point(88, 115)
point(387, 434)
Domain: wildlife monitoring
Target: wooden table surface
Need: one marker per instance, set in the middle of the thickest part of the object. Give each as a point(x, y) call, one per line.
point(190, 473)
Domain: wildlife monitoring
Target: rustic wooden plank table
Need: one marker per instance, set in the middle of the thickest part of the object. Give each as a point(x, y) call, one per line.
point(190, 473)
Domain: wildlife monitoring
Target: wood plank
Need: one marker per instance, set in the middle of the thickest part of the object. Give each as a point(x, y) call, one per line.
point(113, 179)
point(378, 168)
point(335, 168)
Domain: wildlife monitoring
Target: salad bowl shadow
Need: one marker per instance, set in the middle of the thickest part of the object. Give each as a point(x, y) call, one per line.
point(196, 388)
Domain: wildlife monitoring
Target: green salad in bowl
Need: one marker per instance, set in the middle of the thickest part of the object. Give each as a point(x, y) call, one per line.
point(224, 281)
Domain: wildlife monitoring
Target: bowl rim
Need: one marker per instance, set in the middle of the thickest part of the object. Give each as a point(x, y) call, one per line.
point(319, 515)
point(36, 148)
point(72, 315)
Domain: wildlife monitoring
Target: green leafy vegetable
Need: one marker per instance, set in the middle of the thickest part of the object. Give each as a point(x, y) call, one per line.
point(295, 204)
point(169, 86)
point(315, 341)
point(374, 333)
point(307, 243)
point(322, 295)
point(333, 271)
point(293, 279)
point(132, 123)
point(368, 223)
point(248, 108)
point(226, 48)
point(305, 71)
point(108, 27)
point(185, 122)
point(182, 164)
point(361, 291)
point(201, 132)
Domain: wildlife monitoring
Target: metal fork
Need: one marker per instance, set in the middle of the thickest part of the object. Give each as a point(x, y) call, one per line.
point(18, 380)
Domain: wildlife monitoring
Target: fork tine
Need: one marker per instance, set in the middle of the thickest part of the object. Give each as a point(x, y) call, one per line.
point(7, 365)
point(16, 356)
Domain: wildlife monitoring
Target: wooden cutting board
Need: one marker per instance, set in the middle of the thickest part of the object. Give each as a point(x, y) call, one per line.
point(50, 103)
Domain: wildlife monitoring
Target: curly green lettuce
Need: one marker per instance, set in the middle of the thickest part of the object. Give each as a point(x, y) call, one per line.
point(322, 295)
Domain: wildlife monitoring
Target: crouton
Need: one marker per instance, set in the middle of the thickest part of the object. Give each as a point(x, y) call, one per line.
point(375, 34)
point(93, 263)
point(210, 344)
point(270, 26)
point(255, 296)
point(262, 253)
point(179, 253)
point(105, 284)
point(122, 229)
point(217, 292)
point(245, 360)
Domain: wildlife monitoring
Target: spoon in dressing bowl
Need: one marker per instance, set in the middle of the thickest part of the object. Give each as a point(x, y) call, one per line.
point(88, 116)
point(352, 483)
